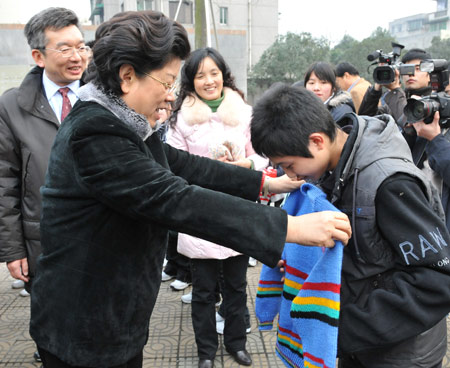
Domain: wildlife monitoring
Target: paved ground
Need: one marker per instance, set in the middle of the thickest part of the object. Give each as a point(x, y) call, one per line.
point(171, 342)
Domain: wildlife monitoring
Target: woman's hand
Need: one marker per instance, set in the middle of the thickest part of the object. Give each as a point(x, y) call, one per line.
point(320, 229)
point(283, 184)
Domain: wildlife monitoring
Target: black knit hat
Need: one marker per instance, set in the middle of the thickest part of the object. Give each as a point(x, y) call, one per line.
point(415, 54)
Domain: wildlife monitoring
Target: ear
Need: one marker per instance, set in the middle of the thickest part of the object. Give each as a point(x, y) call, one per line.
point(346, 75)
point(317, 141)
point(38, 57)
point(128, 77)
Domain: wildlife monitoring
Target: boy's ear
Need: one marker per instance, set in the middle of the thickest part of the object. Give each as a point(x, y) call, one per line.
point(317, 140)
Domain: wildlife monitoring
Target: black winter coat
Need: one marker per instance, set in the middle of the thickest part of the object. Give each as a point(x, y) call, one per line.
point(340, 104)
point(108, 202)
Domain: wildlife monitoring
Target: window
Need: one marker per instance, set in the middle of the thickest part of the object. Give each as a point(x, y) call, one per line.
point(223, 18)
point(438, 26)
point(415, 25)
point(186, 13)
point(441, 5)
point(396, 28)
point(144, 4)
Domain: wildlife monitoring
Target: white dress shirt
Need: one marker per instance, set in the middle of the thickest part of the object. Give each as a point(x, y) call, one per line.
point(54, 97)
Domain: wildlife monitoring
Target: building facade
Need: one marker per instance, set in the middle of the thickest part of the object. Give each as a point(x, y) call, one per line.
point(418, 30)
point(240, 29)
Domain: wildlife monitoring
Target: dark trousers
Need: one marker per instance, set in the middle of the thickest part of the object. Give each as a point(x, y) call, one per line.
point(205, 274)
point(51, 361)
point(223, 313)
point(177, 265)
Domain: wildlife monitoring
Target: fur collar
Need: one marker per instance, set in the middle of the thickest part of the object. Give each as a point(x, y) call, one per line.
point(195, 111)
point(136, 122)
point(340, 98)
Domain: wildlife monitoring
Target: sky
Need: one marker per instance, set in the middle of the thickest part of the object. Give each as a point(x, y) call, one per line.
point(333, 19)
point(28, 8)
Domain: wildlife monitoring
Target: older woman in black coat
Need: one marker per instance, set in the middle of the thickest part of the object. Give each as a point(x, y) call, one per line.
point(112, 192)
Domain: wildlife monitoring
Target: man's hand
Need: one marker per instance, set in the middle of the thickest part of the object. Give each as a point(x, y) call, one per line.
point(283, 184)
point(396, 83)
point(19, 269)
point(319, 229)
point(428, 131)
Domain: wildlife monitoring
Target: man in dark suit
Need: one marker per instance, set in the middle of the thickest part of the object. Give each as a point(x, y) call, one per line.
point(30, 116)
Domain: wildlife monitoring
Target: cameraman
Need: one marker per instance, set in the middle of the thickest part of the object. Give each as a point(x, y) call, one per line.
point(393, 101)
point(437, 152)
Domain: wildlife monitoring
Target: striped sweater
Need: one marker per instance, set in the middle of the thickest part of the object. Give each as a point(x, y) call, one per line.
point(308, 300)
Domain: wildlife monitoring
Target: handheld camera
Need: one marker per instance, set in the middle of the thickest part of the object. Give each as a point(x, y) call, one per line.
point(385, 74)
point(425, 108)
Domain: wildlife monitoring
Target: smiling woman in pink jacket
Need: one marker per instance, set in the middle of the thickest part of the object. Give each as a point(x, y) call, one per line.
point(213, 120)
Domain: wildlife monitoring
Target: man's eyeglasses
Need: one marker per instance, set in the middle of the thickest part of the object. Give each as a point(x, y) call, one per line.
point(67, 52)
point(169, 87)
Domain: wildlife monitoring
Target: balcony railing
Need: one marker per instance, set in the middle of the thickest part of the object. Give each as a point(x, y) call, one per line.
point(440, 14)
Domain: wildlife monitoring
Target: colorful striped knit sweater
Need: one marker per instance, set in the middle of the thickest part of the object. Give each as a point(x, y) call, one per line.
point(308, 300)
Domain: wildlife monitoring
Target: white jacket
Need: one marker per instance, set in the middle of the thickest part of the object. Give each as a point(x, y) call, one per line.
point(202, 132)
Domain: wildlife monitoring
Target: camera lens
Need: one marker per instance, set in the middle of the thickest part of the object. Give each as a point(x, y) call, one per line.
point(384, 74)
point(417, 110)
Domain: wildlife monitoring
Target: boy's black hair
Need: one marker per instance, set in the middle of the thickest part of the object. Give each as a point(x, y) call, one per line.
point(284, 118)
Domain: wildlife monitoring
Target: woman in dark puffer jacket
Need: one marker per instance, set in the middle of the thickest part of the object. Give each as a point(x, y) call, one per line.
point(320, 78)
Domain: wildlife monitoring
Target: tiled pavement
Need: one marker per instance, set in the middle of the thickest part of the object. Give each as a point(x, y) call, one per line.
point(171, 341)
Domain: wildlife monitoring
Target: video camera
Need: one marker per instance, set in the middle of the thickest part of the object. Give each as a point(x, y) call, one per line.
point(425, 108)
point(385, 74)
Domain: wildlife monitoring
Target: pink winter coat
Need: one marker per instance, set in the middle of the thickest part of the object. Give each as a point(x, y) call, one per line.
point(211, 134)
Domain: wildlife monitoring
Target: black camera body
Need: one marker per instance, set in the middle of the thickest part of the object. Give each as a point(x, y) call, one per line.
point(425, 108)
point(385, 74)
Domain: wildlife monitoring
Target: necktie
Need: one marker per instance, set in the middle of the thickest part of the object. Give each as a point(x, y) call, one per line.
point(66, 106)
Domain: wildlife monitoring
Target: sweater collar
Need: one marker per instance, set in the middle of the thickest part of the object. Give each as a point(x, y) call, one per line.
point(425, 91)
point(214, 104)
point(135, 121)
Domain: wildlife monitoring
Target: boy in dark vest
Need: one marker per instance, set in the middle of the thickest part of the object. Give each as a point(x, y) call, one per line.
point(395, 291)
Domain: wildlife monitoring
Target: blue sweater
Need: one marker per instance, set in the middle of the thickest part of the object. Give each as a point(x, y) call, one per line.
point(308, 301)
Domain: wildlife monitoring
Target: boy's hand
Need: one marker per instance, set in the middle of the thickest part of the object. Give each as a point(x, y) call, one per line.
point(319, 229)
point(283, 184)
point(280, 265)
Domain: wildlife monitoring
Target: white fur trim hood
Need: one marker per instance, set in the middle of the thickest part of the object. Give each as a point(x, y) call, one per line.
point(340, 98)
point(195, 111)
